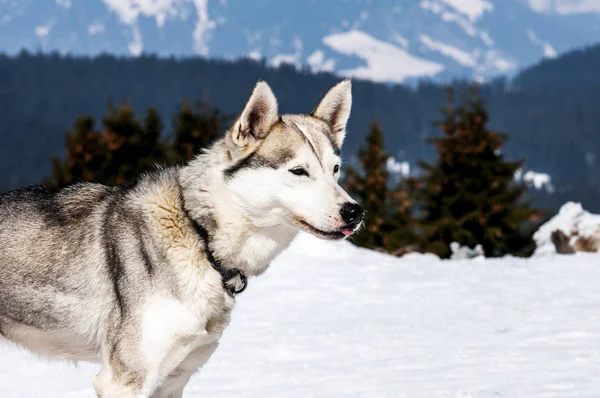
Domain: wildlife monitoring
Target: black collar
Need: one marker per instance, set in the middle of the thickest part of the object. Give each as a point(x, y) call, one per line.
point(233, 279)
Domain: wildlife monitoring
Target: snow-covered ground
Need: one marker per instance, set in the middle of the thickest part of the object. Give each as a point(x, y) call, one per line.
point(329, 319)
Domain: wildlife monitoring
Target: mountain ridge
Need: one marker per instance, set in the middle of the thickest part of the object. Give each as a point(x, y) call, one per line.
point(386, 41)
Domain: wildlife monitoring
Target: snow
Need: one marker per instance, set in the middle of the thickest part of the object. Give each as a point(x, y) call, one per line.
point(203, 27)
point(400, 168)
point(254, 55)
point(487, 40)
point(130, 11)
point(465, 252)
point(473, 9)
point(96, 28)
point(290, 59)
point(565, 7)
point(571, 219)
point(540, 5)
point(465, 14)
point(467, 26)
point(328, 319)
point(578, 7)
point(432, 6)
point(384, 61)
point(460, 56)
point(464, 24)
point(64, 3)
point(43, 30)
point(538, 180)
point(136, 46)
point(535, 179)
point(398, 38)
point(317, 62)
point(548, 50)
point(496, 61)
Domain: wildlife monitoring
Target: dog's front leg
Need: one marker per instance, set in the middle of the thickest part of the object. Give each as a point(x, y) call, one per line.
point(108, 385)
point(118, 381)
point(161, 376)
point(174, 384)
point(129, 371)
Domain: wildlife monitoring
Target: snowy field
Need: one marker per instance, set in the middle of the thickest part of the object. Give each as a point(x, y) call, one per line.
point(331, 320)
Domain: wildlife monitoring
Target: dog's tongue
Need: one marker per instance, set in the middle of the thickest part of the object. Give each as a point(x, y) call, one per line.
point(347, 232)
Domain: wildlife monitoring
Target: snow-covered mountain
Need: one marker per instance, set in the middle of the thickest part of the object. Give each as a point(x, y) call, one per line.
point(381, 40)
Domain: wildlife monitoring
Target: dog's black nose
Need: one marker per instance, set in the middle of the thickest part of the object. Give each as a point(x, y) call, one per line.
point(351, 213)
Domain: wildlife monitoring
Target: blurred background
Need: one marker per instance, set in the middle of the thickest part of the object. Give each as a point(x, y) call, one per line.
point(102, 89)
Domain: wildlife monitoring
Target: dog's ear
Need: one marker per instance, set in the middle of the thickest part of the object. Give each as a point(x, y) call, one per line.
point(334, 109)
point(254, 122)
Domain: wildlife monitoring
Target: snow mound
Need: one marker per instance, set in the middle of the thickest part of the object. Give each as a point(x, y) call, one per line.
point(464, 252)
point(574, 222)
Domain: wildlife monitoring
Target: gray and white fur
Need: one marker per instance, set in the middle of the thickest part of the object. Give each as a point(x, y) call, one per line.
point(129, 277)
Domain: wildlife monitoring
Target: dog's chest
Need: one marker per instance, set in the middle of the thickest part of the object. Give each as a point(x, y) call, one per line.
point(168, 321)
point(200, 305)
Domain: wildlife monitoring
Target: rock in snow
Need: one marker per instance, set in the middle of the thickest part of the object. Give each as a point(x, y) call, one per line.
point(580, 227)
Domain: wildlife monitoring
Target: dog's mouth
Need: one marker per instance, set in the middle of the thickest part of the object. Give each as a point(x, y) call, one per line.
point(332, 235)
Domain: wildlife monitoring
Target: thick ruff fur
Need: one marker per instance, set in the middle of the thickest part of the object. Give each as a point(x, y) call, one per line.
point(121, 276)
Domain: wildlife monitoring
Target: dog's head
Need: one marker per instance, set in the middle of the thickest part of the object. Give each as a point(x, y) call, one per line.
point(285, 168)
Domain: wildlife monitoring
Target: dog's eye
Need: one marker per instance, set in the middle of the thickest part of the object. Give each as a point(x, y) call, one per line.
point(336, 168)
point(299, 171)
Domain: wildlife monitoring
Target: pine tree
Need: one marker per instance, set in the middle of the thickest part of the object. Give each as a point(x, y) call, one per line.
point(194, 129)
point(386, 213)
point(153, 148)
point(128, 146)
point(470, 195)
point(122, 133)
point(125, 148)
point(85, 155)
point(399, 229)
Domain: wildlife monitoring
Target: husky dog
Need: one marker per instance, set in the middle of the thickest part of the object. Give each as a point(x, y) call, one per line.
point(142, 277)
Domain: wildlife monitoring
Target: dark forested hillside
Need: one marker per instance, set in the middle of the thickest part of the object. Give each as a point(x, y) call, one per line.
point(556, 131)
point(574, 70)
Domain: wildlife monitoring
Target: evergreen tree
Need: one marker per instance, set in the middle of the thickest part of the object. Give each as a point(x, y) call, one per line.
point(85, 155)
point(125, 148)
point(128, 146)
point(153, 148)
point(387, 212)
point(399, 228)
point(470, 195)
point(194, 129)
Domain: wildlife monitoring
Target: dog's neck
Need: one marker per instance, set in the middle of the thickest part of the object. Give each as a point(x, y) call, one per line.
point(235, 239)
